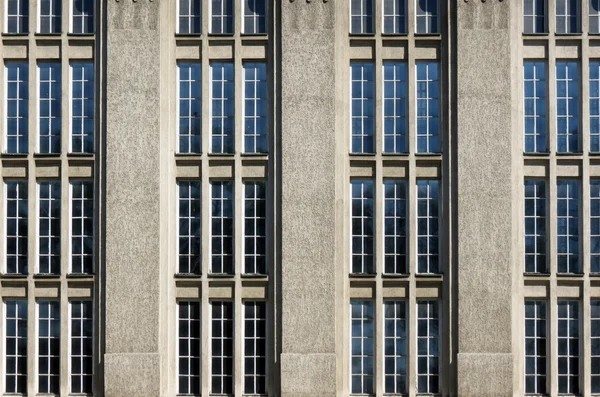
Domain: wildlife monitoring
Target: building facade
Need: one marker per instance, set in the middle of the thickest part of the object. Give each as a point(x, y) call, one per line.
point(300, 198)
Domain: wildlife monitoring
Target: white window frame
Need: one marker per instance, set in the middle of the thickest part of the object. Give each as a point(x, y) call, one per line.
point(397, 183)
point(362, 337)
point(233, 216)
point(255, 97)
point(222, 101)
point(564, 15)
point(56, 118)
point(70, 235)
point(429, 100)
point(266, 352)
point(539, 195)
point(395, 98)
point(189, 100)
point(439, 235)
point(363, 200)
point(70, 108)
point(49, 218)
point(38, 337)
point(52, 16)
point(536, 14)
point(4, 336)
point(395, 338)
point(364, 14)
point(569, 117)
point(210, 338)
point(397, 14)
point(22, 120)
point(189, 16)
point(256, 18)
point(93, 337)
point(429, 27)
point(254, 200)
point(26, 27)
point(178, 217)
point(72, 16)
point(5, 222)
point(580, 343)
point(440, 375)
point(536, 337)
point(569, 219)
point(177, 356)
point(211, 28)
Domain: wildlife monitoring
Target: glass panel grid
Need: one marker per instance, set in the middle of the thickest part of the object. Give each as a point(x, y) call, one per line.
point(394, 17)
point(221, 17)
point(361, 17)
point(428, 223)
point(362, 107)
point(49, 75)
point(255, 107)
point(567, 106)
point(48, 347)
point(190, 219)
point(222, 227)
point(82, 227)
point(255, 352)
point(190, 17)
point(82, 114)
point(255, 17)
point(189, 346)
point(427, 18)
point(535, 347)
point(568, 347)
point(255, 225)
point(428, 349)
point(535, 123)
point(535, 226)
point(50, 16)
point(395, 347)
point(362, 239)
point(594, 13)
point(595, 226)
point(428, 107)
point(222, 348)
point(595, 106)
point(190, 107)
point(395, 227)
point(83, 16)
point(16, 227)
point(81, 346)
point(17, 111)
point(15, 343)
point(567, 250)
point(17, 16)
point(222, 103)
point(534, 16)
point(567, 16)
point(595, 348)
point(363, 341)
point(49, 227)
point(395, 92)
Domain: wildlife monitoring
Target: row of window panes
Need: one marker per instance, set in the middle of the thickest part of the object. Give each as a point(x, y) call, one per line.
point(568, 226)
point(222, 17)
point(222, 221)
point(49, 16)
point(567, 16)
point(396, 227)
point(222, 352)
point(222, 107)
point(394, 17)
point(49, 113)
point(569, 347)
point(396, 339)
point(48, 347)
point(395, 104)
point(48, 220)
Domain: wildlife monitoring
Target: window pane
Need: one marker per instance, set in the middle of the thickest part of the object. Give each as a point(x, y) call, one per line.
point(428, 107)
point(428, 225)
point(16, 226)
point(535, 226)
point(567, 105)
point(222, 227)
point(190, 107)
point(15, 323)
point(568, 347)
point(428, 356)
point(255, 239)
point(82, 102)
point(49, 227)
point(255, 107)
point(222, 347)
point(568, 226)
point(362, 108)
point(362, 340)
point(82, 227)
point(190, 238)
point(17, 112)
point(362, 240)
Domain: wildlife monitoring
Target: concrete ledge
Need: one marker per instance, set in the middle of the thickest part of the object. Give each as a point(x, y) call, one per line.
point(485, 375)
point(308, 375)
point(132, 375)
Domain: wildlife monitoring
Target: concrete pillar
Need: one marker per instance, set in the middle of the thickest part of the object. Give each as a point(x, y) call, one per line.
point(487, 148)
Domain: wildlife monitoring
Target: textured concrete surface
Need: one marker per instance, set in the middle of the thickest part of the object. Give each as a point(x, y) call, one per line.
point(485, 375)
point(317, 371)
point(132, 375)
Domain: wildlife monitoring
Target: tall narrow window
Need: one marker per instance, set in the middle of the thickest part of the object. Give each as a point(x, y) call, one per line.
point(363, 347)
point(395, 92)
point(49, 76)
point(255, 228)
point(221, 16)
point(190, 219)
point(255, 107)
point(428, 107)
point(190, 16)
point(567, 16)
point(395, 227)
point(363, 107)
point(568, 347)
point(394, 17)
point(567, 231)
point(428, 224)
point(535, 226)
point(255, 350)
point(82, 116)
point(595, 106)
point(595, 339)
point(567, 106)
point(189, 344)
point(534, 16)
point(427, 20)
point(222, 103)
point(361, 17)
point(17, 111)
point(428, 347)
point(255, 17)
point(595, 226)
point(82, 346)
point(395, 347)
point(17, 16)
point(362, 243)
point(535, 347)
point(536, 126)
point(83, 16)
point(190, 107)
point(49, 227)
point(594, 12)
point(50, 16)
point(48, 347)
point(17, 215)
point(222, 227)
point(222, 348)
point(15, 344)
point(82, 227)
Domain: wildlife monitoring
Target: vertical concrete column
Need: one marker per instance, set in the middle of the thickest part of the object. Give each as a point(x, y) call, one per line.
point(308, 195)
point(132, 169)
point(487, 148)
